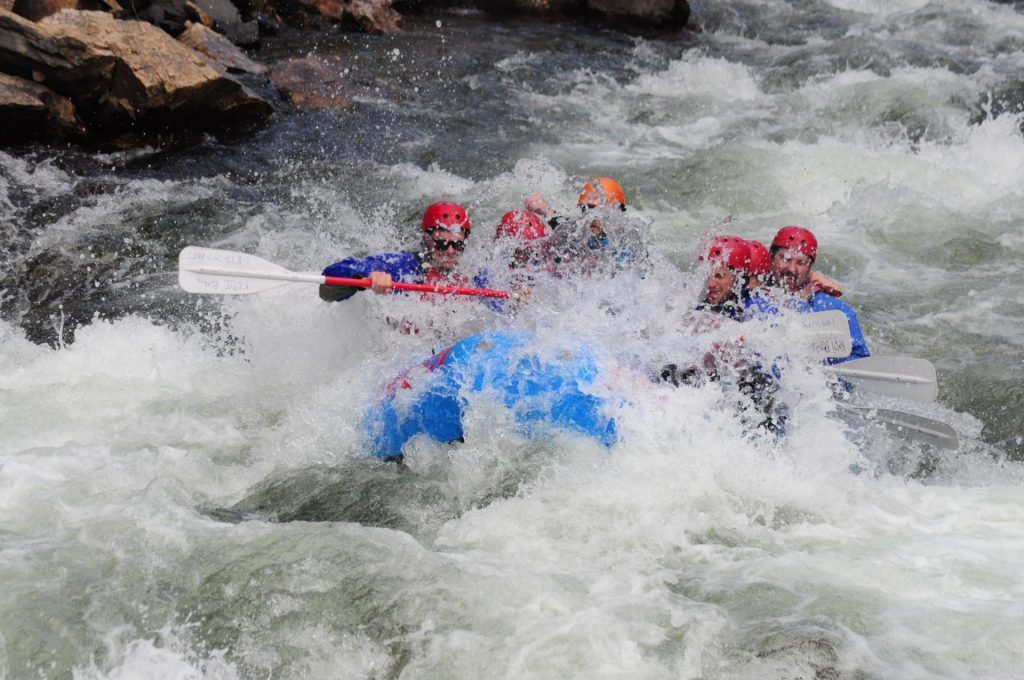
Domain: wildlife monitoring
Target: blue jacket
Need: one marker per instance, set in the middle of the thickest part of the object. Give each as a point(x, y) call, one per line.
point(821, 302)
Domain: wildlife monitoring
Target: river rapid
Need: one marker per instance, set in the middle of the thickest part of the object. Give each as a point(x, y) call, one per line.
point(184, 490)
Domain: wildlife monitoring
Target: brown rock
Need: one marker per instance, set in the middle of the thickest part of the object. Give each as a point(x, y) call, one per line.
point(310, 83)
point(331, 9)
point(220, 50)
point(125, 75)
point(372, 16)
point(550, 9)
point(375, 16)
point(30, 111)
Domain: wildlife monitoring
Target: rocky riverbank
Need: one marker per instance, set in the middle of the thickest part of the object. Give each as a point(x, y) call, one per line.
point(96, 73)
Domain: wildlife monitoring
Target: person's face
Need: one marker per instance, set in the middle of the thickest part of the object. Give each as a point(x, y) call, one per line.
point(598, 237)
point(445, 248)
point(791, 268)
point(521, 256)
point(718, 285)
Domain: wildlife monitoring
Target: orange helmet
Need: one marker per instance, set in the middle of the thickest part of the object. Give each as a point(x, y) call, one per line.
point(602, 191)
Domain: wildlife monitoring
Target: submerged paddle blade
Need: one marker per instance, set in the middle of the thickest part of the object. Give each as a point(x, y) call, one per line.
point(903, 377)
point(922, 429)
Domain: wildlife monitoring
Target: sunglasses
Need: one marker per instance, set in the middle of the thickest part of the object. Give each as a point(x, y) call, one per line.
point(443, 245)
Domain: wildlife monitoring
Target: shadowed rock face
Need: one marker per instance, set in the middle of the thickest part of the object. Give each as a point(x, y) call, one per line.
point(36, 113)
point(219, 49)
point(37, 9)
point(654, 13)
point(125, 76)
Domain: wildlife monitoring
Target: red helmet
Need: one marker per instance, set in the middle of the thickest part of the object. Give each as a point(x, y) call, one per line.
point(731, 251)
point(446, 215)
point(522, 224)
point(796, 238)
point(760, 261)
point(602, 191)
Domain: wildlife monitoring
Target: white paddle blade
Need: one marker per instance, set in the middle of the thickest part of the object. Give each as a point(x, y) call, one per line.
point(912, 426)
point(832, 321)
point(228, 272)
point(903, 377)
point(826, 334)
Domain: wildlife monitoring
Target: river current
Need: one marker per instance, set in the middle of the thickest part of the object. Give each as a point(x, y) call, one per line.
point(184, 490)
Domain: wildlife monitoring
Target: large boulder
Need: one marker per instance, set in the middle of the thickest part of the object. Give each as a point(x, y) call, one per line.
point(32, 112)
point(125, 76)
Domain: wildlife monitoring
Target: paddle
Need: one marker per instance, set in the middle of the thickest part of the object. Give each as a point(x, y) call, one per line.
point(891, 376)
point(227, 272)
point(913, 426)
point(829, 333)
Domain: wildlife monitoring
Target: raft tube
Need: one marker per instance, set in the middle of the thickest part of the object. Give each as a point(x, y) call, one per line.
point(544, 388)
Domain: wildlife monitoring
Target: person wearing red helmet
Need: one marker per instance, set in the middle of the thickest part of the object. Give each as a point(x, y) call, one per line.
point(760, 263)
point(790, 284)
point(725, 293)
point(725, 288)
point(443, 232)
point(521, 240)
point(522, 228)
point(760, 267)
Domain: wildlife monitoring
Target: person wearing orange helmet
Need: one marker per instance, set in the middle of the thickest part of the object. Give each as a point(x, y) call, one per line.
point(790, 284)
point(601, 235)
point(443, 232)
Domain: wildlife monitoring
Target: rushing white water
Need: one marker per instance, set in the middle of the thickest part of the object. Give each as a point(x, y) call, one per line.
point(184, 490)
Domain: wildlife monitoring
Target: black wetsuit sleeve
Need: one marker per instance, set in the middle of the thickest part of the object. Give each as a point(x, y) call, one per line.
point(682, 376)
point(337, 293)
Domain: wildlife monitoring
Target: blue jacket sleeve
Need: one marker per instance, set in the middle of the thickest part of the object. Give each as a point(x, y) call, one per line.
point(823, 302)
point(401, 266)
point(482, 280)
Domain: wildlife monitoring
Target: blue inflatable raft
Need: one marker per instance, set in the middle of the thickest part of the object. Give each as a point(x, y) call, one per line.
point(543, 387)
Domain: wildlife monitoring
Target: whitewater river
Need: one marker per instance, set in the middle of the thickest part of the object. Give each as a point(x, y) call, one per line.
point(184, 490)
